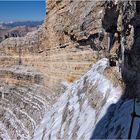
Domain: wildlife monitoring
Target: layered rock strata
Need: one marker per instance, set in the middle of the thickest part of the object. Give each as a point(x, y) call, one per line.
point(37, 69)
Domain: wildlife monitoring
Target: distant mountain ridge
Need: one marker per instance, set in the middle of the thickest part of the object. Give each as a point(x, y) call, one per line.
point(18, 28)
point(23, 23)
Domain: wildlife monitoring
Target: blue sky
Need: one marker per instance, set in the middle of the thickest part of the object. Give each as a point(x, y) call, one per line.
point(22, 10)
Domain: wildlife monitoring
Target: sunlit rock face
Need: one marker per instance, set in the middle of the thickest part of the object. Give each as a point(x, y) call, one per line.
point(40, 94)
point(75, 34)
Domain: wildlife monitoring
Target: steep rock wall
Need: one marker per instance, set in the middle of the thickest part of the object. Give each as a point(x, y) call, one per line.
point(53, 49)
point(75, 34)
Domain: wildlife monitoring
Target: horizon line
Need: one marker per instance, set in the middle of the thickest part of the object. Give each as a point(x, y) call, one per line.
point(22, 0)
point(21, 21)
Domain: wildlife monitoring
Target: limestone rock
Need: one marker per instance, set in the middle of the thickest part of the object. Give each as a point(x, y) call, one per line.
point(39, 72)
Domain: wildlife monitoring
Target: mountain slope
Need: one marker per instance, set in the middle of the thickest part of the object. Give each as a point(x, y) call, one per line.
point(76, 112)
point(36, 69)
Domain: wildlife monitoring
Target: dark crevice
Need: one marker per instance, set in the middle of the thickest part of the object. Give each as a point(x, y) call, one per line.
point(109, 23)
point(89, 41)
point(58, 1)
point(63, 46)
point(41, 51)
point(135, 21)
point(112, 63)
point(138, 7)
point(136, 45)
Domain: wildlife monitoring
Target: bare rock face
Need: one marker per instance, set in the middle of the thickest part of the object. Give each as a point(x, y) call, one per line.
point(23, 102)
point(39, 72)
point(87, 31)
point(75, 35)
point(79, 39)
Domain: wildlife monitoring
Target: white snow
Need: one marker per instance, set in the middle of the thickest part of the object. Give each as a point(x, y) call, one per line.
point(3, 132)
point(73, 116)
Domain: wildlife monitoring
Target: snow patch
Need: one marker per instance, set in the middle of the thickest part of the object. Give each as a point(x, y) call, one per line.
point(73, 116)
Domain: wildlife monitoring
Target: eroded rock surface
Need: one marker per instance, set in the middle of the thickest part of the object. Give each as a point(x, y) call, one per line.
point(38, 72)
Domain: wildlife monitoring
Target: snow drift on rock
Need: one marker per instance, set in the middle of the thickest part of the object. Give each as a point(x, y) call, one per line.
point(75, 115)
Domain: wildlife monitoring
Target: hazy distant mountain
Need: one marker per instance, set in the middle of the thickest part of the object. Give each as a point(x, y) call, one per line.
point(17, 29)
point(23, 23)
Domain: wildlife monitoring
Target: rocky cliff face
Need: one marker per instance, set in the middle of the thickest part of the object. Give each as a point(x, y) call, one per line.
point(39, 73)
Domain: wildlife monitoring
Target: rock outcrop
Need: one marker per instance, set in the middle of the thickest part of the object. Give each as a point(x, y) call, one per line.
point(39, 73)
